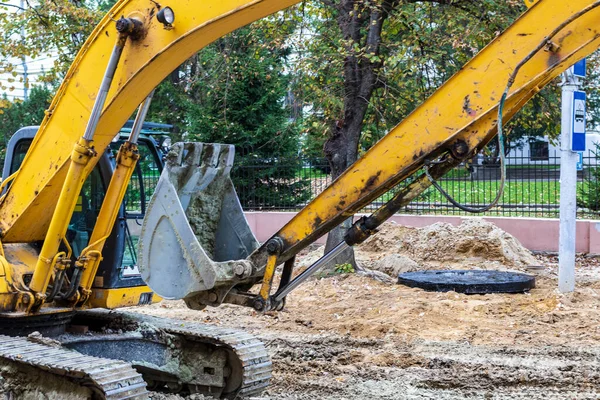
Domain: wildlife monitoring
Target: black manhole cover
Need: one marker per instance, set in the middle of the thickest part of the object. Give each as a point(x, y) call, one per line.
point(468, 281)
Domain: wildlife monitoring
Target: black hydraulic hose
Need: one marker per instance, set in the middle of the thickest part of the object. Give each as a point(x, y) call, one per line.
point(75, 281)
point(58, 281)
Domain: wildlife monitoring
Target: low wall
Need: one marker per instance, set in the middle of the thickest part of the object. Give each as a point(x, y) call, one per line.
point(538, 234)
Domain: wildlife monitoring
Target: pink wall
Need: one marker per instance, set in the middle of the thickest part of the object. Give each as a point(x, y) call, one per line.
point(539, 234)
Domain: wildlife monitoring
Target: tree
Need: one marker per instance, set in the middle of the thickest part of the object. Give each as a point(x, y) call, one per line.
point(233, 92)
point(43, 29)
point(591, 85)
point(366, 64)
point(55, 28)
point(18, 114)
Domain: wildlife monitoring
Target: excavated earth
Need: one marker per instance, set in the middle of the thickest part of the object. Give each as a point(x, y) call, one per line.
point(361, 336)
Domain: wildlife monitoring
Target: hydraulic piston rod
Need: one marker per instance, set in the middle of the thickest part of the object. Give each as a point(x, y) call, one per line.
point(83, 152)
point(127, 159)
point(366, 226)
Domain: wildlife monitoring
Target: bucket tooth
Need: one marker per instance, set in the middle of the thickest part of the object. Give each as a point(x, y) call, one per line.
point(194, 226)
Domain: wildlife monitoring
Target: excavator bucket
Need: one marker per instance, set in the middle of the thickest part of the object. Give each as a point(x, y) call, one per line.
point(194, 229)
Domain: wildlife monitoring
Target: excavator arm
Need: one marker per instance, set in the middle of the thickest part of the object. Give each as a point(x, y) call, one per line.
point(460, 118)
point(27, 208)
point(456, 122)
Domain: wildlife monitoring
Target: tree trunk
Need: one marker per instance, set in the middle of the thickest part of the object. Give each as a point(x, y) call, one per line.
point(341, 152)
point(361, 23)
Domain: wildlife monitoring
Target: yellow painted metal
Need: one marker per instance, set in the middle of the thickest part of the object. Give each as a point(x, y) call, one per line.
point(464, 109)
point(90, 257)
point(124, 297)
point(8, 295)
point(26, 209)
point(81, 154)
point(530, 3)
point(19, 259)
point(265, 289)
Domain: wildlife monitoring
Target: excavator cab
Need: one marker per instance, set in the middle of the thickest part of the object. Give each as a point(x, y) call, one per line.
point(119, 269)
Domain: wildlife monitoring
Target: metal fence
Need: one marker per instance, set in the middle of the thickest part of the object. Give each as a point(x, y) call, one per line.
point(532, 186)
point(142, 183)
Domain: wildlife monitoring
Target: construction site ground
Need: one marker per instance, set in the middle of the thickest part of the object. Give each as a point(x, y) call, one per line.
point(361, 336)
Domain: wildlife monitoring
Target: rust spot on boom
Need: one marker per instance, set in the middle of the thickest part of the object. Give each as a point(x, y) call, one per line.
point(370, 184)
point(467, 107)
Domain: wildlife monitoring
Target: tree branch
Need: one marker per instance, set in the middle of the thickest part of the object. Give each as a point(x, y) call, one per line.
point(12, 5)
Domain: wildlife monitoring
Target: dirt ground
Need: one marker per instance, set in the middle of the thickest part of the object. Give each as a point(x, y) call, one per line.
point(361, 336)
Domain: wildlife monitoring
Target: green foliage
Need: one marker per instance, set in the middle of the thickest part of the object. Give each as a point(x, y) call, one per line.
point(588, 194)
point(346, 268)
point(423, 45)
point(45, 29)
point(17, 114)
point(233, 92)
point(591, 85)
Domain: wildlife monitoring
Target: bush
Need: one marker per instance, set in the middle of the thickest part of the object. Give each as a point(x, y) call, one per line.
point(588, 194)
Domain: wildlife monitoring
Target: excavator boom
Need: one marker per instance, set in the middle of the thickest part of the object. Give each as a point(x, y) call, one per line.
point(27, 208)
point(460, 117)
point(195, 243)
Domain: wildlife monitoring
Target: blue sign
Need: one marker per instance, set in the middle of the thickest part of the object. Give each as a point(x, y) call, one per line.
point(579, 69)
point(579, 110)
point(580, 162)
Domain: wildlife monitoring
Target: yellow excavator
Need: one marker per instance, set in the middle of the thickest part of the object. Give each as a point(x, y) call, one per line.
point(64, 227)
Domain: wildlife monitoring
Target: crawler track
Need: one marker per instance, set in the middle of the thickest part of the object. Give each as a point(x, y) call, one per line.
point(122, 352)
point(108, 379)
point(251, 352)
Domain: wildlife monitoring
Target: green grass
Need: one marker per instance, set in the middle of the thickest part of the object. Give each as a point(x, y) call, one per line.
point(484, 192)
point(310, 173)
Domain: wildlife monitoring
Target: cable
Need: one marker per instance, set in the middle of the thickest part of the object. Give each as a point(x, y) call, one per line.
point(494, 203)
point(511, 81)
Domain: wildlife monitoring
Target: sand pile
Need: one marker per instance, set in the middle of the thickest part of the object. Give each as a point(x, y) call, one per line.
point(475, 242)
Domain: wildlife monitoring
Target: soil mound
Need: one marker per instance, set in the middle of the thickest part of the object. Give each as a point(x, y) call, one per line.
point(474, 241)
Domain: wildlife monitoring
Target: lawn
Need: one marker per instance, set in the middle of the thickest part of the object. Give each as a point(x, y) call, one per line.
point(525, 193)
point(484, 192)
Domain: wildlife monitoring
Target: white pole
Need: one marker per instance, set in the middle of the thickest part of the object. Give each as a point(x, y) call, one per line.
point(568, 189)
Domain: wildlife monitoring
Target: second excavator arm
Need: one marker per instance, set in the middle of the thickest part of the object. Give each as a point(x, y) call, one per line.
point(456, 122)
point(453, 124)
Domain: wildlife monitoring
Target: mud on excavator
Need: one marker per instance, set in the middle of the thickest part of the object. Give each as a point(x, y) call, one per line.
point(65, 229)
